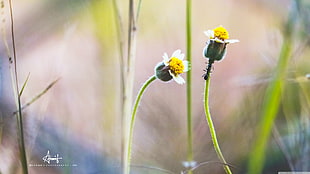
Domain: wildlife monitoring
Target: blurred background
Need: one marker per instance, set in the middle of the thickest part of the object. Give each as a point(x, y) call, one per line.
point(79, 118)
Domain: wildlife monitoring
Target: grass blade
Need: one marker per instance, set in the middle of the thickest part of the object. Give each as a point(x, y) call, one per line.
point(14, 75)
point(38, 95)
point(24, 85)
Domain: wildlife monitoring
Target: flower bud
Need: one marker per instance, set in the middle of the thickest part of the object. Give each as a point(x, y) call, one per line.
point(162, 72)
point(215, 50)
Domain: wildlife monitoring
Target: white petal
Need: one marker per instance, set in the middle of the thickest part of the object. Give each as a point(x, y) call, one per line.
point(178, 79)
point(165, 56)
point(166, 59)
point(176, 53)
point(181, 56)
point(171, 73)
point(186, 65)
point(231, 41)
point(209, 34)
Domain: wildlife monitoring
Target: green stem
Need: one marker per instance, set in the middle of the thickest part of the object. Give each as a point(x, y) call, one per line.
point(20, 128)
point(189, 83)
point(133, 117)
point(212, 129)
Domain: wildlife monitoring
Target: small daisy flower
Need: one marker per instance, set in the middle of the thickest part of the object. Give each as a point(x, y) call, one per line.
point(216, 46)
point(220, 34)
point(215, 50)
point(172, 67)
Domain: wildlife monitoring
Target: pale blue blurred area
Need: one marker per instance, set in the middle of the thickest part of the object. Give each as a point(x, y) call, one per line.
point(53, 138)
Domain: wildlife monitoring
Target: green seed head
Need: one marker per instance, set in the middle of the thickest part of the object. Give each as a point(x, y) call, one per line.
point(162, 72)
point(215, 50)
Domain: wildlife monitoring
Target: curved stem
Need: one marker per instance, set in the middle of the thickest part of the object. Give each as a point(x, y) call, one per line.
point(204, 163)
point(212, 129)
point(153, 168)
point(132, 122)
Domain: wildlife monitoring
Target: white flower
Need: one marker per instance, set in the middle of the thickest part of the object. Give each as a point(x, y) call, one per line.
point(215, 49)
point(219, 34)
point(176, 65)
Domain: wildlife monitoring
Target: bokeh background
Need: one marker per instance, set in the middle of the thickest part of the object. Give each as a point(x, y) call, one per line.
point(80, 116)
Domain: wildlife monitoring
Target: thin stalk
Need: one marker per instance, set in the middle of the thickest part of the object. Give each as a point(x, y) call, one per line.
point(21, 141)
point(120, 38)
point(190, 156)
point(153, 168)
point(211, 127)
point(35, 98)
point(204, 163)
point(139, 9)
point(131, 34)
point(133, 118)
point(129, 83)
point(24, 85)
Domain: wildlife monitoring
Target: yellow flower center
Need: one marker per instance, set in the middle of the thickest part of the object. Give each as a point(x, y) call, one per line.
point(176, 66)
point(221, 33)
